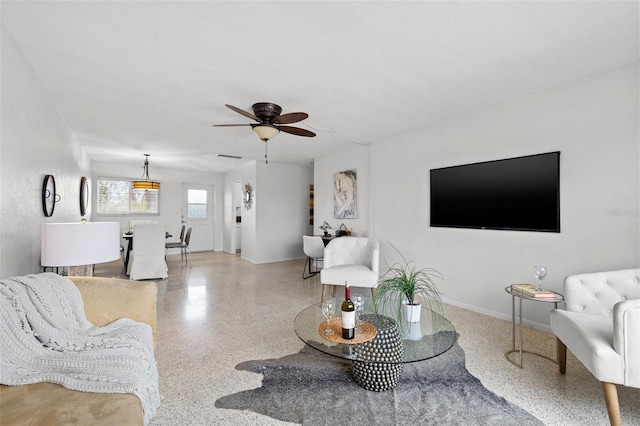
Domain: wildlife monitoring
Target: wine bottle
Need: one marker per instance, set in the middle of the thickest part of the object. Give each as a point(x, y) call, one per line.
point(348, 314)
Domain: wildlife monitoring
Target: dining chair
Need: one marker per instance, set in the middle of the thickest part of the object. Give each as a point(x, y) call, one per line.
point(177, 244)
point(147, 256)
point(313, 247)
point(122, 257)
point(353, 259)
point(185, 246)
point(185, 251)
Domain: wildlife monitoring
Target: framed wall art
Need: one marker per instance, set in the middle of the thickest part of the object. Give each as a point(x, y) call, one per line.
point(345, 194)
point(247, 196)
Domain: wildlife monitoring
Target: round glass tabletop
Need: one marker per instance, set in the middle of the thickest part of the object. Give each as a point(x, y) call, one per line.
point(432, 336)
point(514, 292)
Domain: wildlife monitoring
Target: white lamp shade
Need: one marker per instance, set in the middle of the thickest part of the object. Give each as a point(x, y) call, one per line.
point(264, 131)
point(75, 244)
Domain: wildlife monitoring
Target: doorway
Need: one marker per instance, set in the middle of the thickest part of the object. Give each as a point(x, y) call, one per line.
point(236, 230)
point(197, 212)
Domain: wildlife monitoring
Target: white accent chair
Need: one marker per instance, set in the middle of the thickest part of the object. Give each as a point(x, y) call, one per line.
point(601, 327)
point(148, 254)
point(353, 259)
point(313, 247)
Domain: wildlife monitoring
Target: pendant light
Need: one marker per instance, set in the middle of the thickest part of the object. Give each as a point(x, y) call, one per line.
point(145, 182)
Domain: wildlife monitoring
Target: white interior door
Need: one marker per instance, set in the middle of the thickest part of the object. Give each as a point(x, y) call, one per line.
point(197, 212)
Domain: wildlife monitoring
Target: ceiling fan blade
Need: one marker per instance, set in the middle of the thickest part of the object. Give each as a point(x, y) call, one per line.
point(243, 112)
point(296, 131)
point(230, 125)
point(292, 117)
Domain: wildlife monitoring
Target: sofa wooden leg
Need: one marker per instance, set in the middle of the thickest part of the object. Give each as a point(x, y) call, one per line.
point(324, 293)
point(561, 355)
point(611, 399)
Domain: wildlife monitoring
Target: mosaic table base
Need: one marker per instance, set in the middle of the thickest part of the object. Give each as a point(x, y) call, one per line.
point(382, 356)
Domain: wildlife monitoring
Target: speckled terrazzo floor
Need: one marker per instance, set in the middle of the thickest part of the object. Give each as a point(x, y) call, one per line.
point(223, 311)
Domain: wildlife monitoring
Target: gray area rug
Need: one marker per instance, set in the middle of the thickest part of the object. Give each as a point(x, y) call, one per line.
point(312, 388)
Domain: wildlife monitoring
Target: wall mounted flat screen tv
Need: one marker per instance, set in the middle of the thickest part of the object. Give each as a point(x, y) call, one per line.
point(519, 194)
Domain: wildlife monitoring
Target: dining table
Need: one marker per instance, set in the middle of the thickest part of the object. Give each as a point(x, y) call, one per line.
point(326, 239)
point(128, 236)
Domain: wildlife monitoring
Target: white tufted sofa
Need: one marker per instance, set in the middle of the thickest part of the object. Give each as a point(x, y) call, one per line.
point(601, 327)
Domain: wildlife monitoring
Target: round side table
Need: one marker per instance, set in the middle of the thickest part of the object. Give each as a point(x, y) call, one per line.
point(522, 296)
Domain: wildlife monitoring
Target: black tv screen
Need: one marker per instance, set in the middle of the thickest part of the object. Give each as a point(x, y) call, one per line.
point(520, 194)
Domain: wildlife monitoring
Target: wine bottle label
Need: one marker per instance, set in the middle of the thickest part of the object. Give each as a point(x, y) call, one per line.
point(348, 319)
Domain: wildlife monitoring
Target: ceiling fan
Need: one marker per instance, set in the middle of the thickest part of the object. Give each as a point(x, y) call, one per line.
point(270, 122)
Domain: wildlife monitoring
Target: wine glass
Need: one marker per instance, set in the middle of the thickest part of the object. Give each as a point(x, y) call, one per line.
point(328, 309)
point(540, 271)
point(358, 302)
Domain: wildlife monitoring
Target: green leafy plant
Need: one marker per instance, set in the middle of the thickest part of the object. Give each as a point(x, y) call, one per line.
point(325, 226)
point(403, 283)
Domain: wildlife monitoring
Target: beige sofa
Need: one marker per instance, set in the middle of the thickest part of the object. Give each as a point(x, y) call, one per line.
point(105, 300)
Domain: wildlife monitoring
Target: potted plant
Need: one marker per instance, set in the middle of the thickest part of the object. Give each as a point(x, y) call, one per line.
point(403, 289)
point(324, 227)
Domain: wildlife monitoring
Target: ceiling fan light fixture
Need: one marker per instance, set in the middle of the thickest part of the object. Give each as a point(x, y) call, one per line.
point(145, 182)
point(267, 114)
point(265, 131)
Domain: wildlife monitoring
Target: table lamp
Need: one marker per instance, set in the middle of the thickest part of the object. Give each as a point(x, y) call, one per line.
point(74, 244)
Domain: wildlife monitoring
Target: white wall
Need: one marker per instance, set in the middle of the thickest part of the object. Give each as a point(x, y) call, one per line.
point(282, 212)
point(171, 181)
point(243, 174)
point(356, 157)
point(594, 123)
point(35, 141)
point(272, 229)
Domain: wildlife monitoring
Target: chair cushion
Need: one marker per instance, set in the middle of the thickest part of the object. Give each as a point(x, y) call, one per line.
point(357, 275)
point(590, 339)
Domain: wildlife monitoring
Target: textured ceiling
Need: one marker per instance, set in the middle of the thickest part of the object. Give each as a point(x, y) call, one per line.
point(152, 77)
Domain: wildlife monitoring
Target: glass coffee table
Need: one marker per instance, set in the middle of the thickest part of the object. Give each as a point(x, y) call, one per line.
point(376, 364)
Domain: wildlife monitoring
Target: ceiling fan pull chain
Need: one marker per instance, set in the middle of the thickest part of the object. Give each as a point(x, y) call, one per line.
point(265, 153)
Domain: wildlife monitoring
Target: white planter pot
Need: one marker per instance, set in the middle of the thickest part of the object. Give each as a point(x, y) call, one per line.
point(413, 330)
point(411, 312)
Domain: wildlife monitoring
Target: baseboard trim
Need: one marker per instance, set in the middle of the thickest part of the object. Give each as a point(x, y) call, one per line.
point(499, 315)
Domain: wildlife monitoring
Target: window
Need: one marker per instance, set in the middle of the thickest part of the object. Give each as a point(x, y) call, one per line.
point(196, 204)
point(117, 197)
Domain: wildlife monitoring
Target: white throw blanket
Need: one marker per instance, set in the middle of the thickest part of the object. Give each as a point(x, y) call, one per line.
point(45, 337)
